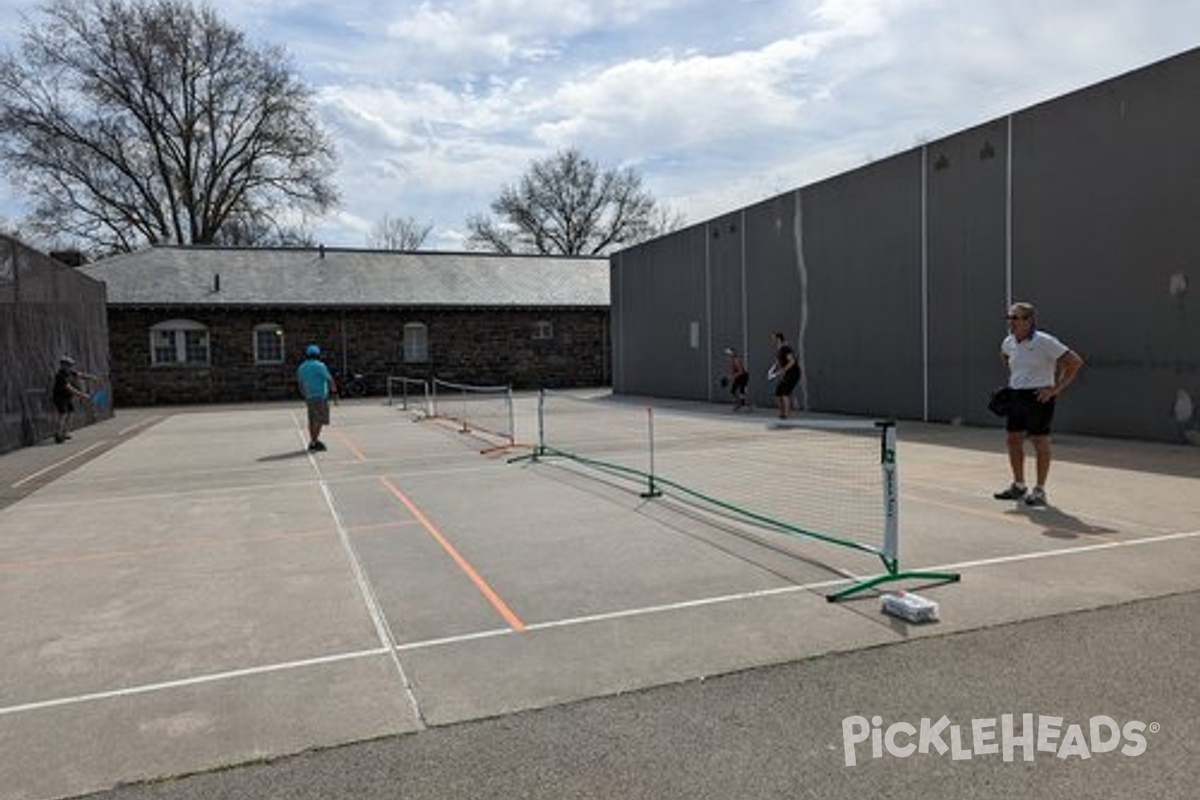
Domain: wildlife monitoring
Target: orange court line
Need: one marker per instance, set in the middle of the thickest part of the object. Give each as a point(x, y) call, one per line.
point(346, 440)
point(501, 607)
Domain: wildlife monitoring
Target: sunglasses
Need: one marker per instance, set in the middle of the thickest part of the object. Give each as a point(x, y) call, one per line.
point(1011, 317)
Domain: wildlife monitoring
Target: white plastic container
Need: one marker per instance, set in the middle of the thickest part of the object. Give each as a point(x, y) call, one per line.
point(910, 607)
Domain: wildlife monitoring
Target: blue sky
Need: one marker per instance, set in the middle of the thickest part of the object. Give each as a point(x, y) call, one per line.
point(435, 105)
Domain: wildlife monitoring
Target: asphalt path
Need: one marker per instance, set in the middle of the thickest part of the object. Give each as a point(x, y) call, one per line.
point(780, 731)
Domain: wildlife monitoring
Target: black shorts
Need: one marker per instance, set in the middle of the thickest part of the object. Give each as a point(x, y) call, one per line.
point(738, 387)
point(64, 404)
point(1028, 414)
point(787, 383)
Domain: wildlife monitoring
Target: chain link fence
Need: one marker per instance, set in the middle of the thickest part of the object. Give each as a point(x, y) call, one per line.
point(47, 310)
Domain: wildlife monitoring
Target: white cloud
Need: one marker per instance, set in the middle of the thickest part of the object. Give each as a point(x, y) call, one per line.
point(452, 37)
point(672, 103)
point(435, 104)
point(472, 36)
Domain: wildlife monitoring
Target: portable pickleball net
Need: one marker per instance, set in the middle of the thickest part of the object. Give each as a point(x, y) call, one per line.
point(824, 479)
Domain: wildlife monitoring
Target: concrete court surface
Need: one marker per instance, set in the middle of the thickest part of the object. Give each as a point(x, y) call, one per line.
point(196, 591)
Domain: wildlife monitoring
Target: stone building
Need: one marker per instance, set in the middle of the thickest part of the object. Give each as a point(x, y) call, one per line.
point(206, 324)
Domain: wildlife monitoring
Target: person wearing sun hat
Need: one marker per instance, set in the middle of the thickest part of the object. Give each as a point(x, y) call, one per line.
point(65, 390)
point(316, 384)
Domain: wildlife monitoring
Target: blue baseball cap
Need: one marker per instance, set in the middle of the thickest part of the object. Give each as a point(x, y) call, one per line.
point(312, 350)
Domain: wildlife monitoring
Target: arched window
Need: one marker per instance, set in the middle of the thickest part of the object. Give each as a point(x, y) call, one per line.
point(416, 343)
point(268, 343)
point(179, 342)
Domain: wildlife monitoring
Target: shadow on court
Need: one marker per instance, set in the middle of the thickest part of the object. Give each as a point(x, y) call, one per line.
point(288, 456)
point(1058, 524)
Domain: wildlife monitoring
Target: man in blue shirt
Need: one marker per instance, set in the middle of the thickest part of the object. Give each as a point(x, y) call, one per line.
point(316, 384)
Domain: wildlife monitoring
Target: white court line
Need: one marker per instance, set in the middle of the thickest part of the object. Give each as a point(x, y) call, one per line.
point(562, 623)
point(987, 562)
point(73, 456)
point(465, 637)
point(57, 464)
point(623, 614)
point(685, 604)
point(781, 590)
point(195, 681)
point(374, 608)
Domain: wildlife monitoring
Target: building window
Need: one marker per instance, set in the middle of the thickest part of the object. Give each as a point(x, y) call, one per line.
point(416, 343)
point(180, 342)
point(543, 329)
point(268, 343)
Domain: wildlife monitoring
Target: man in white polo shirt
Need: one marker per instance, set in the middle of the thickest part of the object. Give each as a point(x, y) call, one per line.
point(1040, 368)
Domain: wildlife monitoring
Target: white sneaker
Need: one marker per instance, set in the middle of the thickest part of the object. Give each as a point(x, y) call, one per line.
point(1036, 497)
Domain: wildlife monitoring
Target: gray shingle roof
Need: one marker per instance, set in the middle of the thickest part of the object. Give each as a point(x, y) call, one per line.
point(311, 277)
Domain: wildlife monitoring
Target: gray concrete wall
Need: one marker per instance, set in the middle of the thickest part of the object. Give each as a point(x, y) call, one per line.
point(47, 310)
point(892, 280)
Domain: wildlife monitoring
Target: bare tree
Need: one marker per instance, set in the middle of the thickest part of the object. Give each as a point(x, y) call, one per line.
point(399, 233)
point(567, 205)
point(147, 121)
point(260, 230)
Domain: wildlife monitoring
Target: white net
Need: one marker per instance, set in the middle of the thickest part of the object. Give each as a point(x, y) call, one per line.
point(409, 394)
point(823, 478)
point(486, 410)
